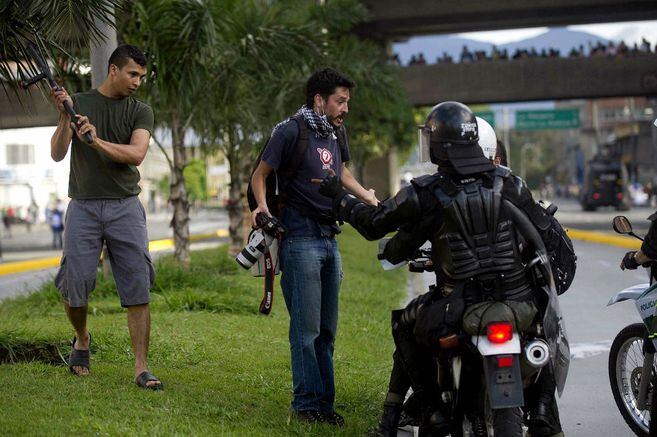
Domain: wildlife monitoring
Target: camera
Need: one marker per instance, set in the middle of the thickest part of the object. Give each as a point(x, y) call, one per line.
point(269, 229)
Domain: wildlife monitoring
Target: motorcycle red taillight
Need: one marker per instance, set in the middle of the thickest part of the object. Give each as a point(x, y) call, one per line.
point(499, 332)
point(504, 361)
point(596, 196)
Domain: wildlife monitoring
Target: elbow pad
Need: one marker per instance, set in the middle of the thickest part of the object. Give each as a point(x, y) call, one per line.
point(524, 200)
point(404, 207)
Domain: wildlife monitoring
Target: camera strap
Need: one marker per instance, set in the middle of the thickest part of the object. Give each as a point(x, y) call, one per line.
point(270, 274)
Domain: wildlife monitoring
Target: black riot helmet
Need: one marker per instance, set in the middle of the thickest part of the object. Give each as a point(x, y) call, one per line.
point(451, 137)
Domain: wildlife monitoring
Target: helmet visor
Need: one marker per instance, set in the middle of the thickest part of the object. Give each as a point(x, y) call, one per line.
point(423, 139)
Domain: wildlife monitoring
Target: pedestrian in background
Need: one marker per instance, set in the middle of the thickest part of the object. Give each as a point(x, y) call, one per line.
point(56, 220)
point(7, 217)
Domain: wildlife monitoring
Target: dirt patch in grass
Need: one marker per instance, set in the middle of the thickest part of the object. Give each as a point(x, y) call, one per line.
point(16, 351)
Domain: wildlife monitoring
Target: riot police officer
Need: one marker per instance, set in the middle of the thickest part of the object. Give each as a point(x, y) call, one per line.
point(475, 215)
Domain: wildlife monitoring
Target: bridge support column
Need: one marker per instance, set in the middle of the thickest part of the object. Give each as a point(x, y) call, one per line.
point(382, 174)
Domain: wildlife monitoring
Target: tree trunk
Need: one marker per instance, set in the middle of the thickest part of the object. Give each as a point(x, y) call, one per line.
point(178, 197)
point(359, 169)
point(234, 205)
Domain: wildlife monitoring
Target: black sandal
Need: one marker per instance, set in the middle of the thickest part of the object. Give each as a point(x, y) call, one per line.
point(79, 358)
point(145, 377)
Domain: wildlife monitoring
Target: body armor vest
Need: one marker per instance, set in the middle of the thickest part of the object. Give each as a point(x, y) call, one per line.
point(478, 240)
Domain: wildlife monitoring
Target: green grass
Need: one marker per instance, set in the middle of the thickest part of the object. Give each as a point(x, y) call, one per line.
point(226, 369)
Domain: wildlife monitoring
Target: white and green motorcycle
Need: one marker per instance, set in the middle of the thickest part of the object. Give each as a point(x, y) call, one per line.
point(632, 371)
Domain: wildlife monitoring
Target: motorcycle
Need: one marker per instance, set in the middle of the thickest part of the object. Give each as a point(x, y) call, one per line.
point(632, 352)
point(484, 376)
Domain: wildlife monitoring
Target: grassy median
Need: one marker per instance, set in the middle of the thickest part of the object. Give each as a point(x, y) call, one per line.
point(226, 369)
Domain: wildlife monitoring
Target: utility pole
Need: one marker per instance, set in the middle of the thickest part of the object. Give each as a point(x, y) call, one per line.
point(100, 51)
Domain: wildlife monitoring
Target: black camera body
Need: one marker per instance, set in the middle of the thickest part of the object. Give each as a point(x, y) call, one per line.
point(270, 225)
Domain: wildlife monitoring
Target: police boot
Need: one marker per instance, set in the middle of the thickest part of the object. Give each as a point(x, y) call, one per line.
point(544, 418)
point(412, 410)
point(436, 425)
point(387, 426)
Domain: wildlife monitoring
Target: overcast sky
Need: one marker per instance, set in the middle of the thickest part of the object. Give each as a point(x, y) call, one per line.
point(629, 32)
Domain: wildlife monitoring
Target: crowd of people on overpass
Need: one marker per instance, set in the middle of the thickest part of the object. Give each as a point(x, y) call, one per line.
point(611, 48)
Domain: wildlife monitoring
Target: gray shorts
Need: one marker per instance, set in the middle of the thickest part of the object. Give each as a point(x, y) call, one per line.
point(121, 223)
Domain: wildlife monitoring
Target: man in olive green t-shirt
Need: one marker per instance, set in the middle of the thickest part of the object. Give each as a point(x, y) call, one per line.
point(104, 207)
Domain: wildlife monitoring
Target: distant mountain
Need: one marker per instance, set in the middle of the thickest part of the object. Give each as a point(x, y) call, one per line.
point(432, 47)
point(559, 38)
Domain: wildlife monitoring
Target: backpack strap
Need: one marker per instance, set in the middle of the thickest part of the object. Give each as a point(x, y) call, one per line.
point(286, 173)
point(341, 135)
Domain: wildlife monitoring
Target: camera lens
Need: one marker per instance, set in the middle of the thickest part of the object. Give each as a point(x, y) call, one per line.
point(252, 251)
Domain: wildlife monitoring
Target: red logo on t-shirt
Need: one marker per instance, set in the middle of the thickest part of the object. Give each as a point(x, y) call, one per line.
point(326, 157)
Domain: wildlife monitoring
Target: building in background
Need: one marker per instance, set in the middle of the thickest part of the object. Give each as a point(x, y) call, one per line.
point(28, 175)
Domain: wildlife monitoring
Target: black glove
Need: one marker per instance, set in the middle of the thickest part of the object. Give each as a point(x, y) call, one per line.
point(629, 262)
point(330, 186)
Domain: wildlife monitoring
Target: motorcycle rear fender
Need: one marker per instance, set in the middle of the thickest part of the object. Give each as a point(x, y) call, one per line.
point(486, 348)
point(503, 384)
point(630, 293)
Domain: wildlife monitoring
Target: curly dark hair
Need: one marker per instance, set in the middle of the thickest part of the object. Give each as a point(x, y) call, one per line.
point(324, 82)
point(123, 53)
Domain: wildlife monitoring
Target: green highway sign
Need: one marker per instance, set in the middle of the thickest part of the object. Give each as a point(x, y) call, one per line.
point(489, 116)
point(547, 119)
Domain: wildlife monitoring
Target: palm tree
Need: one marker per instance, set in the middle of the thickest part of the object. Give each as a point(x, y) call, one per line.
point(380, 116)
point(52, 25)
point(182, 38)
point(268, 54)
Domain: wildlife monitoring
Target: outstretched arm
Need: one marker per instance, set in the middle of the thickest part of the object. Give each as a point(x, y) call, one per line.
point(350, 183)
point(372, 222)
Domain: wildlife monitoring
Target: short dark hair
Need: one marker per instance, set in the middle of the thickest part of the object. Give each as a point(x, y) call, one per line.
point(123, 53)
point(501, 152)
point(324, 82)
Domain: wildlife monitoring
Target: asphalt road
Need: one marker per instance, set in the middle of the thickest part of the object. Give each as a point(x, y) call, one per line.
point(587, 406)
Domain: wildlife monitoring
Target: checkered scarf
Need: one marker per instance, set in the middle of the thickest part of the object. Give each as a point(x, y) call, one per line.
point(318, 123)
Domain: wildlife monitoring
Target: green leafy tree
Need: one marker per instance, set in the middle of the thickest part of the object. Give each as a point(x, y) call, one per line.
point(182, 38)
point(267, 49)
point(196, 180)
point(380, 116)
point(53, 26)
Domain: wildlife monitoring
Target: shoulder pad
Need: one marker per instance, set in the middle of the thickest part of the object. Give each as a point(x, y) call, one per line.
point(502, 171)
point(518, 183)
point(426, 180)
point(653, 217)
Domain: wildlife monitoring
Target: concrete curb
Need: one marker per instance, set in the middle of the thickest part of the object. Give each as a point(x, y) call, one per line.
point(46, 263)
point(601, 238)
point(167, 243)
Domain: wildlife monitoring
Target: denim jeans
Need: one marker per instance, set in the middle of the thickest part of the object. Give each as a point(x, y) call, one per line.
point(312, 272)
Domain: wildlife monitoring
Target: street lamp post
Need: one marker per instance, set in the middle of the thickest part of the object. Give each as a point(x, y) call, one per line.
point(523, 159)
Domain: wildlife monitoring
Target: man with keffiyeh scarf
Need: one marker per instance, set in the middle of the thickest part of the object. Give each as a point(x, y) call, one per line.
point(310, 261)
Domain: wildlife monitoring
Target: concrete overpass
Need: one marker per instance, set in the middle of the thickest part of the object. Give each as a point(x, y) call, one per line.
point(532, 79)
point(393, 19)
point(33, 110)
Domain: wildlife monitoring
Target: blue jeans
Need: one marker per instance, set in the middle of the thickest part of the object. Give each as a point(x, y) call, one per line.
point(312, 272)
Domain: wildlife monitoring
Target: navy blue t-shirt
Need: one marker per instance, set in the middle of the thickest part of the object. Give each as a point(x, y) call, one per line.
point(321, 154)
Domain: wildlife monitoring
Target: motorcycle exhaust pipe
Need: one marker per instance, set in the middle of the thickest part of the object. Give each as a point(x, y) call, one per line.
point(537, 353)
